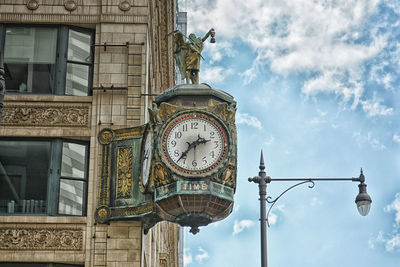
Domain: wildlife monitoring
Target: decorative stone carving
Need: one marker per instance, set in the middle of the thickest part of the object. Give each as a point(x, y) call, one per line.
point(131, 211)
point(124, 172)
point(40, 239)
point(70, 5)
point(228, 176)
point(102, 214)
point(161, 175)
point(31, 115)
point(124, 6)
point(32, 5)
point(106, 136)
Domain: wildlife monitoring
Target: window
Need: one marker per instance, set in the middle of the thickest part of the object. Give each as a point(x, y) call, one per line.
point(43, 177)
point(48, 59)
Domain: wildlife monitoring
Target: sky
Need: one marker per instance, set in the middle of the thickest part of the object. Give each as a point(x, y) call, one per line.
point(317, 84)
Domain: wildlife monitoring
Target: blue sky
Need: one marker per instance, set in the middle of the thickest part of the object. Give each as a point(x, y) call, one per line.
point(318, 89)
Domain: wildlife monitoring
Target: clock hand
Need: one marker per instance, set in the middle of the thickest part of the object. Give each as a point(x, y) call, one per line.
point(190, 146)
point(146, 155)
point(199, 141)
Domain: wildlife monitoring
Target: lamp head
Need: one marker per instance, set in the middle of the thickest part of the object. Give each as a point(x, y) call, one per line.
point(363, 200)
point(212, 32)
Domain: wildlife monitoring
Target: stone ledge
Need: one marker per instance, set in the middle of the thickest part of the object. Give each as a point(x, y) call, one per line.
point(69, 18)
point(42, 219)
point(46, 98)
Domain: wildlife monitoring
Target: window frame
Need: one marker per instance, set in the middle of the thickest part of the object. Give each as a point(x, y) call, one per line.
point(60, 76)
point(54, 176)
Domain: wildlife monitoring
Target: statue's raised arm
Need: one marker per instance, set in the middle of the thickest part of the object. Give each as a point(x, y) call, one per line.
point(188, 53)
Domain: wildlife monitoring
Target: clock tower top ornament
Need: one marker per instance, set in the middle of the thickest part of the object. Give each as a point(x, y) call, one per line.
point(188, 53)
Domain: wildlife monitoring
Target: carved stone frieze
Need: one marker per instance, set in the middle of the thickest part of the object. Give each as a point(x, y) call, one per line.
point(12, 238)
point(32, 115)
point(61, 18)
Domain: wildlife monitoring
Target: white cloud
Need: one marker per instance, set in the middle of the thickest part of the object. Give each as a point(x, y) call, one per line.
point(202, 255)
point(374, 142)
point(187, 257)
point(344, 83)
point(375, 108)
point(269, 140)
point(396, 138)
point(244, 118)
point(272, 218)
point(214, 74)
point(395, 206)
point(391, 240)
point(219, 50)
point(306, 36)
point(316, 202)
point(240, 226)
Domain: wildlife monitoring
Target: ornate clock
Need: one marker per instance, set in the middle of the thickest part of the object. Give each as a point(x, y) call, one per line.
point(194, 144)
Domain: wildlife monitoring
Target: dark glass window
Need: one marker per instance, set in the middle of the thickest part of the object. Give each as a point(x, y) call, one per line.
point(30, 58)
point(43, 177)
point(48, 60)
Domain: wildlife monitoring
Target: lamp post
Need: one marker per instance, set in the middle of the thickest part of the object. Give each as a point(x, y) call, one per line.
point(363, 200)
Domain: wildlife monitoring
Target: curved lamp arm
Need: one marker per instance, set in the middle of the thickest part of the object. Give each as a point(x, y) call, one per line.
point(312, 184)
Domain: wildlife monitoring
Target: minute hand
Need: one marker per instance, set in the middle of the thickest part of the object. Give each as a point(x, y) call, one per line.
point(190, 146)
point(199, 141)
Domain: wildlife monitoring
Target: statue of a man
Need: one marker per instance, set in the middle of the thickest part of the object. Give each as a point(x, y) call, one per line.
point(187, 54)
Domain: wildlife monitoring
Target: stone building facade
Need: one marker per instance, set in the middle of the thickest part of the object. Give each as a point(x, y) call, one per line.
point(73, 68)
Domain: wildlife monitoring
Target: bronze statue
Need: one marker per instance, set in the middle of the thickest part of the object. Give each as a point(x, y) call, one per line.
point(187, 54)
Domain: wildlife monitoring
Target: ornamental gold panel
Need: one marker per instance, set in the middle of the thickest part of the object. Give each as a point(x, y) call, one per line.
point(124, 172)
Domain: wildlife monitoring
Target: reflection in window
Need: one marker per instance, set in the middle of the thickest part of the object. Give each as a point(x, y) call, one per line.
point(79, 61)
point(73, 160)
point(73, 179)
point(79, 46)
point(71, 197)
point(77, 79)
point(29, 57)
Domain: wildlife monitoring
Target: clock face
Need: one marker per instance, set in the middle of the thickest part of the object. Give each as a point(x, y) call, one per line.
point(146, 162)
point(194, 144)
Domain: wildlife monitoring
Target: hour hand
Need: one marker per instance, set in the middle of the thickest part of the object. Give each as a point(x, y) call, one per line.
point(201, 140)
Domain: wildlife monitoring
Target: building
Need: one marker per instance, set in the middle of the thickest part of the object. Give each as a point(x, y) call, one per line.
point(73, 68)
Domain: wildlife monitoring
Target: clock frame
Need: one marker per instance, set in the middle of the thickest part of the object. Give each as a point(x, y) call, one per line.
point(194, 144)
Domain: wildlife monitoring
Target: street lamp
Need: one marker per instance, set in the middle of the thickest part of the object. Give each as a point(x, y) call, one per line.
point(363, 200)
